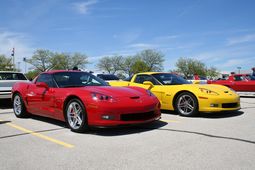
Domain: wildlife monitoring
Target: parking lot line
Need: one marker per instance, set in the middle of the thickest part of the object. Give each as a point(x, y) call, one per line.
point(170, 121)
point(40, 135)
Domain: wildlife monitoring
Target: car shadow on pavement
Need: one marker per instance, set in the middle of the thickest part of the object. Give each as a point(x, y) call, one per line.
point(252, 96)
point(108, 131)
point(5, 104)
point(169, 112)
point(215, 115)
point(127, 130)
point(3, 122)
point(220, 115)
point(48, 120)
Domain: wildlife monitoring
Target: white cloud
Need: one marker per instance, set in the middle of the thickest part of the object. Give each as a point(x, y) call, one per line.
point(83, 7)
point(97, 58)
point(20, 42)
point(241, 39)
point(127, 37)
point(229, 58)
point(142, 46)
point(167, 38)
point(233, 62)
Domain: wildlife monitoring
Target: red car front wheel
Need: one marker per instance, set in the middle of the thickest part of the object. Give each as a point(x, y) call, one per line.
point(76, 116)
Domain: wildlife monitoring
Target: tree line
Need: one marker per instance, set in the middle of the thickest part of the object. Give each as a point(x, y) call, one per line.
point(188, 67)
point(5, 63)
point(144, 61)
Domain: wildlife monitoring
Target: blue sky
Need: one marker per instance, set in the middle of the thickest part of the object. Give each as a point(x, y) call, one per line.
point(220, 33)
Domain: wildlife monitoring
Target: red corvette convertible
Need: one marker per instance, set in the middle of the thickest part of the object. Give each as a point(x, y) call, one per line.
point(83, 100)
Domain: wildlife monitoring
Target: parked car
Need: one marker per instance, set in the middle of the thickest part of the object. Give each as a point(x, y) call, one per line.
point(197, 79)
point(108, 77)
point(176, 93)
point(238, 82)
point(7, 79)
point(244, 77)
point(83, 100)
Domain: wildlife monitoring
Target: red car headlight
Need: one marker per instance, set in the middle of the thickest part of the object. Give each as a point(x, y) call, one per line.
point(101, 97)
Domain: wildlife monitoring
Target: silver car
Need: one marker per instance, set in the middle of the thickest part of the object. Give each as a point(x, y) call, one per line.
point(7, 80)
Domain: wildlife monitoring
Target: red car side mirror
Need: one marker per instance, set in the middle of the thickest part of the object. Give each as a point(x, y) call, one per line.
point(42, 84)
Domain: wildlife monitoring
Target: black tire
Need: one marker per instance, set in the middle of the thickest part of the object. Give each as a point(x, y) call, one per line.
point(19, 107)
point(186, 104)
point(76, 116)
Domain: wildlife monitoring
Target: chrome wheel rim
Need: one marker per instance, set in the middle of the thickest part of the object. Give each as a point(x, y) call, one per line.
point(74, 115)
point(17, 106)
point(186, 104)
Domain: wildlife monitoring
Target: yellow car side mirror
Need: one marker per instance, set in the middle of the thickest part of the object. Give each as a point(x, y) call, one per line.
point(148, 83)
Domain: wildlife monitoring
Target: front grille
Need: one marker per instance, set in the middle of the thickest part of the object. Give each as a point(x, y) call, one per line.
point(137, 116)
point(229, 105)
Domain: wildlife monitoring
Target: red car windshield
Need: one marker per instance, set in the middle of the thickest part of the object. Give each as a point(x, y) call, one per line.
point(77, 79)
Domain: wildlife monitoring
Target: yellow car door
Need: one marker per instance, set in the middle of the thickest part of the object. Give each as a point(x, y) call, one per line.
point(149, 83)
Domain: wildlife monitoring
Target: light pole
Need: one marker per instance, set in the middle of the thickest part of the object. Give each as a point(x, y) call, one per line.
point(19, 66)
point(13, 59)
point(239, 68)
point(25, 60)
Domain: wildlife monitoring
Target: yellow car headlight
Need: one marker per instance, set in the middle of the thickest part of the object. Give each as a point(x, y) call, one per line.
point(207, 91)
point(232, 90)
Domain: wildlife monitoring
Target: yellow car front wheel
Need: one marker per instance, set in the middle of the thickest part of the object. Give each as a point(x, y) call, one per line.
point(186, 104)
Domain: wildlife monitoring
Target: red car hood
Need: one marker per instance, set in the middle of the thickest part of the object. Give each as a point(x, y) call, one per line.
point(115, 91)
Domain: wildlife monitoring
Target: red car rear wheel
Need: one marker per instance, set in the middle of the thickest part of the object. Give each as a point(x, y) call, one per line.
point(19, 107)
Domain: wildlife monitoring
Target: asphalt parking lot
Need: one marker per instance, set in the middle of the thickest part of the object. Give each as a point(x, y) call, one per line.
point(209, 141)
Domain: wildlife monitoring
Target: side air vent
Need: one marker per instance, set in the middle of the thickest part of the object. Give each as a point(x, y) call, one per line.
point(135, 97)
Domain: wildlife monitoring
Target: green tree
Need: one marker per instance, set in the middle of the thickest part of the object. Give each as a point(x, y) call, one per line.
point(153, 59)
point(32, 74)
point(117, 63)
point(212, 72)
point(60, 61)
point(111, 64)
point(139, 66)
point(128, 64)
point(149, 60)
point(64, 61)
point(79, 60)
point(105, 64)
point(6, 63)
point(188, 67)
point(42, 60)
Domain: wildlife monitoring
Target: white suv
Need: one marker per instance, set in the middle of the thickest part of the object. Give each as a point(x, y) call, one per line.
point(7, 80)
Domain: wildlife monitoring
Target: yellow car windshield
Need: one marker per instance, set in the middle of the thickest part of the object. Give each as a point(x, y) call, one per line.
point(170, 79)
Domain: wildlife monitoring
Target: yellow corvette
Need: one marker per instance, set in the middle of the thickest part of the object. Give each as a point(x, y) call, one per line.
point(175, 93)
